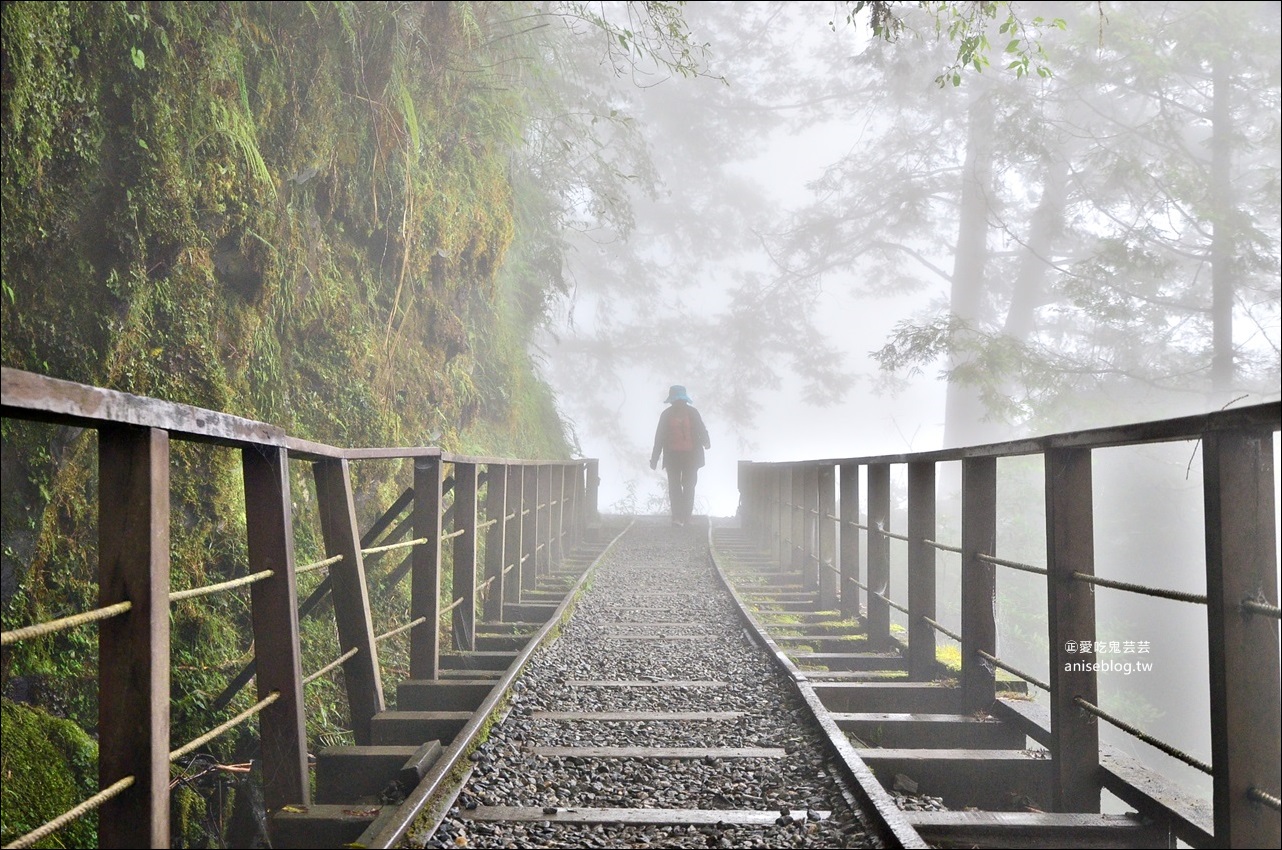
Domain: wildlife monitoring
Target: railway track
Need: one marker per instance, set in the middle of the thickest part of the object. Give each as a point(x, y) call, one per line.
point(684, 691)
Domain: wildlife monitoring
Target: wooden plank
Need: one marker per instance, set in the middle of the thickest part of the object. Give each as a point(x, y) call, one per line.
point(639, 716)
point(661, 638)
point(349, 593)
point(662, 752)
point(810, 559)
point(1035, 830)
point(496, 482)
point(935, 731)
point(425, 570)
point(274, 614)
point(1008, 780)
point(635, 816)
point(930, 697)
point(463, 564)
point(133, 649)
point(27, 395)
point(643, 683)
point(1241, 564)
point(921, 570)
point(417, 727)
point(978, 581)
point(1264, 415)
point(1070, 548)
point(850, 661)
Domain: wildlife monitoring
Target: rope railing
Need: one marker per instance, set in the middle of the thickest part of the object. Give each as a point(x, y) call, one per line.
point(943, 546)
point(89, 805)
point(509, 568)
point(1014, 565)
point(487, 523)
point(307, 680)
point(997, 662)
point(456, 603)
point(317, 565)
point(1177, 595)
point(218, 730)
point(51, 626)
point(942, 629)
point(1255, 606)
point(207, 590)
point(859, 584)
point(892, 603)
point(396, 631)
point(450, 535)
point(1171, 751)
point(894, 535)
point(1263, 797)
point(404, 544)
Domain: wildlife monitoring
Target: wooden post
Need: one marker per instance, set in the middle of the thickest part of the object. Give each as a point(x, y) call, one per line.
point(496, 481)
point(797, 520)
point(512, 525)
point(543, 561)
point(878, 555)
point(337, 512)
point(810, 527)
point(921, 569)
point(463, 617)
point(530, 529)
point(274, 613)
point(828, 592)
point(1070, 548)
point(594, 489)
point(848, 538)
point(1241, 559)
point(133, 648)
point(778, 513)
point(978, 582)
point(425, 570)
point(560, 493)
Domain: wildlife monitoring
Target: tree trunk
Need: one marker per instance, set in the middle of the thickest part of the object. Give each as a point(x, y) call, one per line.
point(964, 411)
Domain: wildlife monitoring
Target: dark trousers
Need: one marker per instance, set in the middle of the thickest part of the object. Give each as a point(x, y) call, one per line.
point(682, 476)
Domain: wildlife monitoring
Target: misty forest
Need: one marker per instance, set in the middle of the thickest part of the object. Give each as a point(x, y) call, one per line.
point(505, 228)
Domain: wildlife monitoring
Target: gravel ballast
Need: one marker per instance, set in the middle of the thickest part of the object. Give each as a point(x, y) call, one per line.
point(655, 581)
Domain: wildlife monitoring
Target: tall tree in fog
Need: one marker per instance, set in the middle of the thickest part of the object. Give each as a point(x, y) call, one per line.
point(675, 294)
point(1149, 226)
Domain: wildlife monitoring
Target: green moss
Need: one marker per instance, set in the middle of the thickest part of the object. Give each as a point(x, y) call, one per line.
point(291, 212)
point(49, 766)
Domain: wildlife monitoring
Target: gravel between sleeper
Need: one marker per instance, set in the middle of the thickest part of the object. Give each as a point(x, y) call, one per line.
point(655, 574)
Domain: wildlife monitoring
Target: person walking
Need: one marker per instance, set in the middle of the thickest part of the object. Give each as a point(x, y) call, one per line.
point(680, 439)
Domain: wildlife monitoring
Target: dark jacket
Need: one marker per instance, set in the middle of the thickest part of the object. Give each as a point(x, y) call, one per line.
point(700, 434)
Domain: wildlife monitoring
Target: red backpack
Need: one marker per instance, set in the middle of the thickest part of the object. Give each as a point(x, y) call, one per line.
point(681, 430)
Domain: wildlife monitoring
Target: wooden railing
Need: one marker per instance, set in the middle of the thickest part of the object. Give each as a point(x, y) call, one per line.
point(808, 514)
point(533, 511)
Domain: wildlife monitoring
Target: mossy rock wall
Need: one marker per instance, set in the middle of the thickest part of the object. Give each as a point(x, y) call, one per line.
point(291, 212)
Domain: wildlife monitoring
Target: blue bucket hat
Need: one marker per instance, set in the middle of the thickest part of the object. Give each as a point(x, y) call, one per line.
point(676, 392)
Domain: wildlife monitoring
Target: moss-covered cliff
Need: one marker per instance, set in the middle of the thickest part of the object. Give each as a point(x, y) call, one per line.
point(297, 212)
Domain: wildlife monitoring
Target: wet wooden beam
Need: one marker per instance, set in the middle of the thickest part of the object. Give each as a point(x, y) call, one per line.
point(1070, 548)
point(1035, 830)
point(133, 648)
point(337, 511)
point(425, 570)
point(1241, 564)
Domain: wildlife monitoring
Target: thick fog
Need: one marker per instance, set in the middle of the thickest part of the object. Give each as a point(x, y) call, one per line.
point(840, 257)
point(814, 190)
